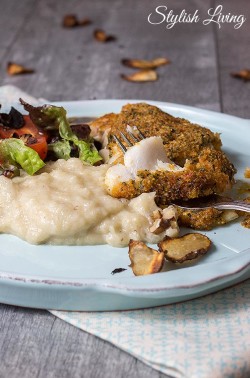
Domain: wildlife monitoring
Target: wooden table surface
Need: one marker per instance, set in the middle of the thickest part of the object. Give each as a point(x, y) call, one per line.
point(71, 65)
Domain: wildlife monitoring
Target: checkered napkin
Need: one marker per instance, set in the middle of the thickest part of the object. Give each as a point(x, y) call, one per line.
point(203, 338)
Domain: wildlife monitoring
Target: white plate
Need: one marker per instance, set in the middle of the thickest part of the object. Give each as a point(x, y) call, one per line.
point(79, 278)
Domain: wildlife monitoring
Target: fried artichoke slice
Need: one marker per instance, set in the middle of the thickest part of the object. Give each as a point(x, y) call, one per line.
point(141, 76)
point(101, 36)
point(242, 74)
point(187, 247)
point(18, 69)
point(144, 260)
point(145, 64)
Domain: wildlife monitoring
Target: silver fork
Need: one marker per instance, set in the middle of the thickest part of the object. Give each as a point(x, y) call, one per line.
point(214, 201)
point(136, 138)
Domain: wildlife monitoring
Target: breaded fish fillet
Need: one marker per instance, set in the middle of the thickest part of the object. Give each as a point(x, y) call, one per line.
point(182, 139)
point(211, 174)
point(196, 149)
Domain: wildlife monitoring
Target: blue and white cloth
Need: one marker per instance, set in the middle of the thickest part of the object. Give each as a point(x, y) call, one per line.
point(203, 338)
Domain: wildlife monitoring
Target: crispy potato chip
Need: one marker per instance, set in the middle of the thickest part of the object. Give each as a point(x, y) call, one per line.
point(243, 74)
point(101, 36)
point(247, 173)
point(18, 69)
point(187, 247)
point(72, 21)
point(141, 76)
point(145, 64)
point(144, 260)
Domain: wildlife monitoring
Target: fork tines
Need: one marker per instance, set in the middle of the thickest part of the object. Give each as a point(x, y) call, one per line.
point(135, 134)
point(120, 144)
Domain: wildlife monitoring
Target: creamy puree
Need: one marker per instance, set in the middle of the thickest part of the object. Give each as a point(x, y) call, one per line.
point(67, 203)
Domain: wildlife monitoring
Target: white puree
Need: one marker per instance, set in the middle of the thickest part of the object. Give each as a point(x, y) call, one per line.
point(67, 204)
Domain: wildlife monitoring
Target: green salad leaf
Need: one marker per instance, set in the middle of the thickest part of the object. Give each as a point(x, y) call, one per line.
point(61, 149)
point(54, 117)
point(13, 151)
point(87, 154)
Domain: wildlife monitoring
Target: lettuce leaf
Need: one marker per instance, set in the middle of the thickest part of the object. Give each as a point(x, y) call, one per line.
point(61, 149)
point(13, 151)
point(87, 154)
point(54, 117)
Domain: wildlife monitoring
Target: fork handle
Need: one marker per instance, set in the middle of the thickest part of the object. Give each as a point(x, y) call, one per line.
point(235, 205)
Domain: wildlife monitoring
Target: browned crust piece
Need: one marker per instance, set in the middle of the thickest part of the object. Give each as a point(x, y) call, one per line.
point(105, 122)
point(203, 220)
point(246, 221)
point(247, 172)
point(182, 139)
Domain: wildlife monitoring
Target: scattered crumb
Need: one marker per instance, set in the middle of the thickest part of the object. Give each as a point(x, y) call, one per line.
point(141, 76)
point(243, 74)
point(118, 270)
point(101, 36)
point(18, 69)
point(247, 172)
point(72, 21)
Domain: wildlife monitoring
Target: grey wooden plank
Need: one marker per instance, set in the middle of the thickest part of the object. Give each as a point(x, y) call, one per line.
point(234, 55)
point(70, 64)
point(36, 344)
point(13, 16)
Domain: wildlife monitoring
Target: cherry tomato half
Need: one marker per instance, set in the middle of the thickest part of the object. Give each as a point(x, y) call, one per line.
point(32, 136)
